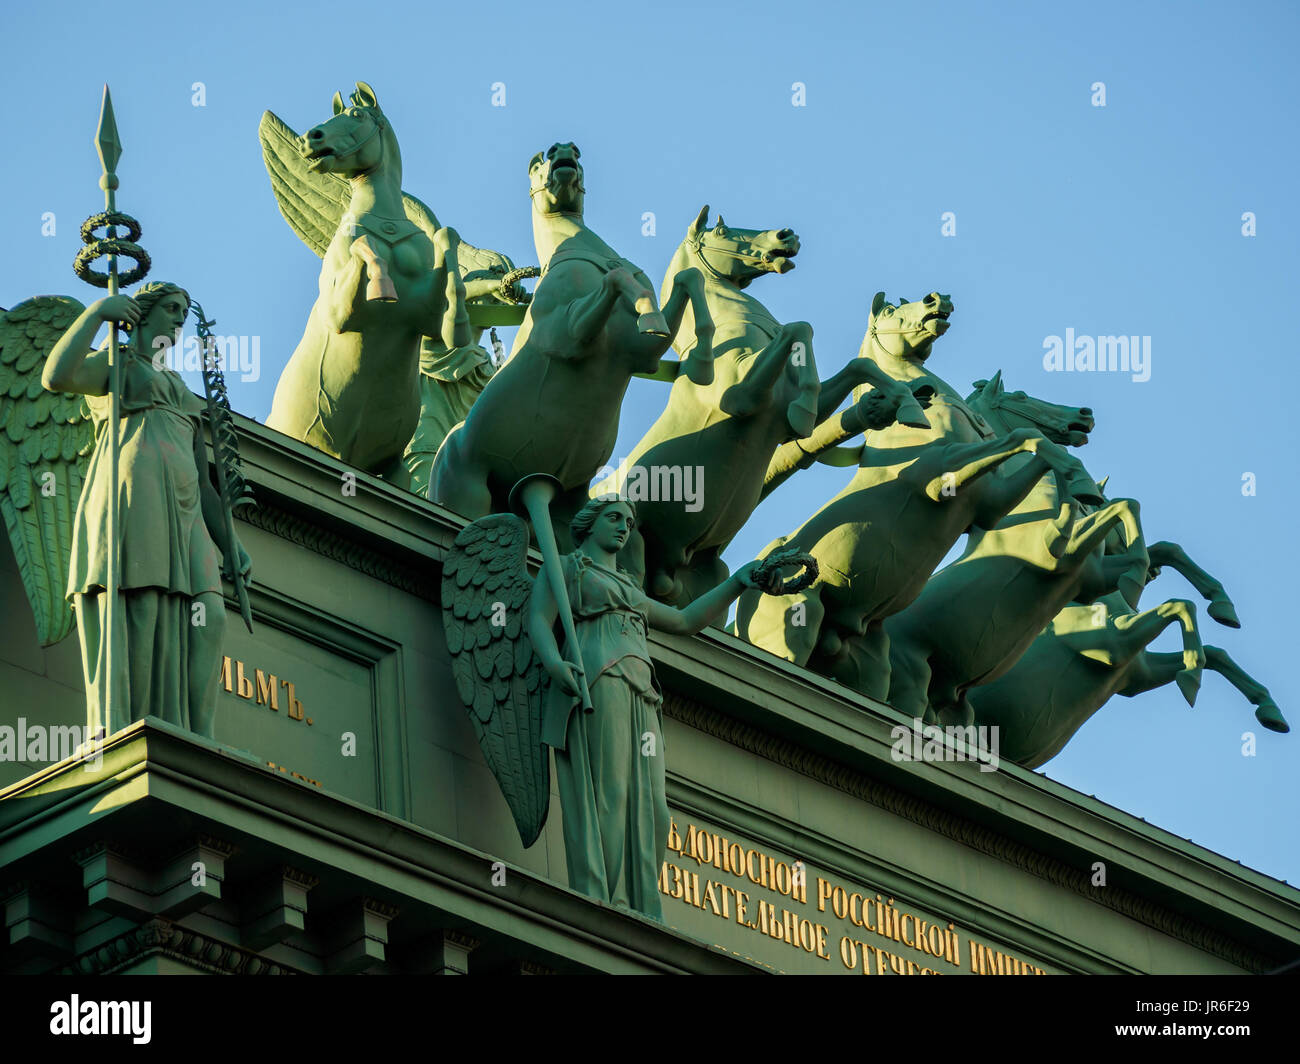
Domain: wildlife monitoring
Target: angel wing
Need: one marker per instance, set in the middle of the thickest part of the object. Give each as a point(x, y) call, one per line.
point(485, 593)
point(314, 203)
point(45, 444)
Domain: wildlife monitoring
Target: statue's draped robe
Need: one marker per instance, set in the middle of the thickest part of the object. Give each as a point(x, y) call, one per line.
point(168, 556)
point(610, 762)
point(450, 381)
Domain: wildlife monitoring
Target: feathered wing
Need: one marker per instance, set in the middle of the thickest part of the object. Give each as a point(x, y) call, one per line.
point(314, 203)
point(311, 202)
point(45, 444)
point(485, 595)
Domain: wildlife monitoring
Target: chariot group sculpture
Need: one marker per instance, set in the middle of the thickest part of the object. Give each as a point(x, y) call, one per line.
point(1033, 628)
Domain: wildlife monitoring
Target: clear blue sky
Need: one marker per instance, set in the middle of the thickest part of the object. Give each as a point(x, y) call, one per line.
point(1117, 220)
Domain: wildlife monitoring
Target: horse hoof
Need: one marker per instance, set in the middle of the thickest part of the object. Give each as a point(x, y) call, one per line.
point(1223, 611)
point(653, 324)
point(1189, 682)
point(381, 290)
point(1271, 717)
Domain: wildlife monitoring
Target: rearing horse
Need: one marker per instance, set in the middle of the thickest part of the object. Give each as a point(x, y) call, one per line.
point(764, 392)
point(351, 387)
point(977, 616)
point(592, 325)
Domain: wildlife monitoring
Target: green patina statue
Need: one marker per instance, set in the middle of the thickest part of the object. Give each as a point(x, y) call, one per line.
point(977, 616)
point(914, 494)
point(1090, 652)
point(173, 529)
point(594, 701)
point(390, 358)
point(725, 434)
point(591, 326)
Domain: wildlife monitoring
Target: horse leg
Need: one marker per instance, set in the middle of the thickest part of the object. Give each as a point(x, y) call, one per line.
point(755, 391)
point(1142, 628)
point(1266, 711)
point(379, 285)
point(1172, 555)
point(865, 370)
point(965, 463)
point(909, 679)
point(455, 483)
point(343, 295)
point(1090, 533)
point(688, 287)
point(454, 325)
point(705, 571)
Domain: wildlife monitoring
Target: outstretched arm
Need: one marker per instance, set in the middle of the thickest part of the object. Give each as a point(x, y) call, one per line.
point(706, 609)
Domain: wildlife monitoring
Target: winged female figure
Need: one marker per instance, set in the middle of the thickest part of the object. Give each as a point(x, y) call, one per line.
point(524, 690)
point(173, 533)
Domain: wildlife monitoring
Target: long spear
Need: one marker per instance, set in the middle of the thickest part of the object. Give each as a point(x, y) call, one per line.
point(109, 147)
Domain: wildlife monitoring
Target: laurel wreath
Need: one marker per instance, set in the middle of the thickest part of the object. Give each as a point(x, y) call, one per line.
point(768, 574)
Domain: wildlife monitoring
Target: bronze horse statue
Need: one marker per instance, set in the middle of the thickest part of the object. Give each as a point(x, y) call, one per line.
point(978, 615)
point(1091, 652)
point(592, 325)
point(764, 393)
point(881, 537)
point(351, 387)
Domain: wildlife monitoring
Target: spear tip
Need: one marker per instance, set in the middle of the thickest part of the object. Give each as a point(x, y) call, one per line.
point(107, 141)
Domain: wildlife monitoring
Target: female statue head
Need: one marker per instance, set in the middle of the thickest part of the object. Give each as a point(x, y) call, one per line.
point(163, 307)
point(606, 521)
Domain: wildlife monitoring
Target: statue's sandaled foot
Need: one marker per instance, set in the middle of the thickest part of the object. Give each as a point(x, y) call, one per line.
point(1223, 611)
point(1271, 717)
point(652, 324)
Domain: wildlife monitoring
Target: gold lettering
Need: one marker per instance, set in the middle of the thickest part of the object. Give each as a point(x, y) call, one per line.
point(692, 880)
point(674, 839)
point(704, 848)
point(292, 705)
point(736, 859)
point(749, 868)
point(848, 952)
point(822, 932)
point(243, 685)
point(741, 899)
point(726, 899)
point(823, 892)
point(225, 673)
point(268, 692)
point(903, 929)
point(677, 889)
point(777, 875)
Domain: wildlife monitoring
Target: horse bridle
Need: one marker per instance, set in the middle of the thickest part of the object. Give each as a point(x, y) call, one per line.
point(748, 258)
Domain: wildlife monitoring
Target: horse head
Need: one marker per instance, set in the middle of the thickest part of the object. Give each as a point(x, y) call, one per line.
point(906, 331)
point(357, 140)
point(555, 180)
point(737, 256)
point(1067, 426)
